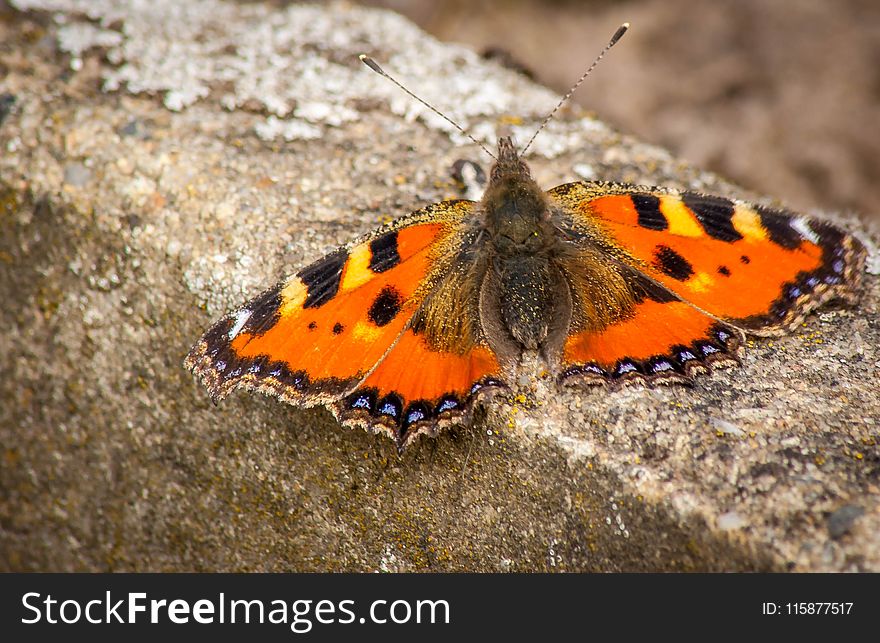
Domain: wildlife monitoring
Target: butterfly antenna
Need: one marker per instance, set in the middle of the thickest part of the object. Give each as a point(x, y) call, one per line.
point(617, 36)
point(372, 64)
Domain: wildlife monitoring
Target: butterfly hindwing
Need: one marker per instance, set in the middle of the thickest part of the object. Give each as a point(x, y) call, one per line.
point(662, 339)
point(627, 326)
point(418, 390)
point(338, 332)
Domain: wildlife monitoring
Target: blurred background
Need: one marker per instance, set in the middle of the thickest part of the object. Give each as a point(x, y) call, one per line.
point(781, 96)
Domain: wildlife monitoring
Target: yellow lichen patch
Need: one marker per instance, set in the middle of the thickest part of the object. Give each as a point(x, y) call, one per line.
point(747, 222)
point(265, 182)
point(357, 268)
point(293, 297)
point(681, 220)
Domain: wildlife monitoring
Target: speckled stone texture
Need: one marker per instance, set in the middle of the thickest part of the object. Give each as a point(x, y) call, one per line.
point(158, 168)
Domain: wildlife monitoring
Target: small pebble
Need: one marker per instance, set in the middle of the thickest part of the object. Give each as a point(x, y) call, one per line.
point(841, 521)
point(77, 174)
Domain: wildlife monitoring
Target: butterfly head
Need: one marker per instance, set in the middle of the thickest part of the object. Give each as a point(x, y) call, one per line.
point(508, 165)
point(515, 207)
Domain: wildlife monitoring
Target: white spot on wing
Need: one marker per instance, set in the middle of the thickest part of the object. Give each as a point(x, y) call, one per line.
point(802, 225)
point(241, 318)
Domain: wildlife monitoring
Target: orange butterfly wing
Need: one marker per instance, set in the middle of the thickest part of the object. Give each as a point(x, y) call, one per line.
point(338, 333)
point(704, 268)
point(417, 390)
point(668, 340)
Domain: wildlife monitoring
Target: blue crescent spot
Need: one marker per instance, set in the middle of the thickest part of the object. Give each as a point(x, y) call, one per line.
point(447, 405)
point(388, 409)
point(363, 402)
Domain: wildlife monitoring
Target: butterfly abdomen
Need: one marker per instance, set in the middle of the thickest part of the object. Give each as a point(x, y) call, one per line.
point(529, 297)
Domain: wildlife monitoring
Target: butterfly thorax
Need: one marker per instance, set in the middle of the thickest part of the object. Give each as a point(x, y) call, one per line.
point(523, 245)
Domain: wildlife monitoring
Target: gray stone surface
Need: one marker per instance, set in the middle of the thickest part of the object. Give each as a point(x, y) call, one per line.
point(157, 170)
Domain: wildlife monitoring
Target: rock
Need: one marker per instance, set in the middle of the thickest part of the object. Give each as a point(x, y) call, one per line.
point(841, 521)
point(726, 428)
point(115, 459)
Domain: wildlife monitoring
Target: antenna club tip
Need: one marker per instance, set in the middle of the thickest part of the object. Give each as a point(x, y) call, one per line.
point(618, 34)
point(372, 64)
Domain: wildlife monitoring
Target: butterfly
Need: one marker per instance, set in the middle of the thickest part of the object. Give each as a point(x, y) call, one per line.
point(405, 330)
